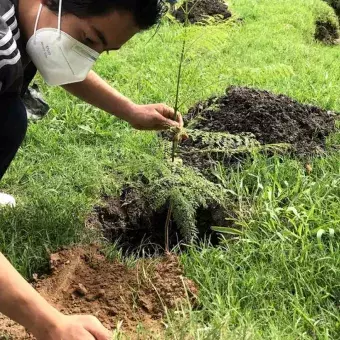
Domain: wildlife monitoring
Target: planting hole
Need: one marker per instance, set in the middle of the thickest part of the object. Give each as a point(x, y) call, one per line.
point(130, 221)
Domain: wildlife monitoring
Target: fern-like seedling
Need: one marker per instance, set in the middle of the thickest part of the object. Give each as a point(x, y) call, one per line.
point(179, 134)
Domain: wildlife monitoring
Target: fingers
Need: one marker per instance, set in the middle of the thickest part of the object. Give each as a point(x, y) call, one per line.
point(94, 327)
point(168, 123)
point(180, 120)
point(169, 113)
point(88, 336)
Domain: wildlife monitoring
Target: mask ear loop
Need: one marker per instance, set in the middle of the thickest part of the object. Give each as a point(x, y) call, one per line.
point(36, 23)
point(59, 18)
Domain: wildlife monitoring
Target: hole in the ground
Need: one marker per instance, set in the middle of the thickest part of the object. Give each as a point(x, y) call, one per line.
point(130, 221)
point(326, 31)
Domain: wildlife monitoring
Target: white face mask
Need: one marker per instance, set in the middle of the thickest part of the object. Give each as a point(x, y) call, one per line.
point(59, 58)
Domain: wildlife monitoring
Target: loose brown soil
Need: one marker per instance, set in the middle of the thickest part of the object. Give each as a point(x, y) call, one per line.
point(83, 281)
point(200, 11)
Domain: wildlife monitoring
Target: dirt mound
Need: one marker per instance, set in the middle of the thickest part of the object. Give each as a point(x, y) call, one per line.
point(84, 282)
point(271, 118)
point(200, 10)
point(131, 221)
point(326, 32)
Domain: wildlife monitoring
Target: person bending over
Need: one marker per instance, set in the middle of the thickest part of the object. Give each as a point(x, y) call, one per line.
point(62, 39)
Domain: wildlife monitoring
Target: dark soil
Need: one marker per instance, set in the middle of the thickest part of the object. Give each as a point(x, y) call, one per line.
point(84, 282)
point(225, 129)
point(199, 11)
point(271, 118)
point(326, 32)
point(130, 220)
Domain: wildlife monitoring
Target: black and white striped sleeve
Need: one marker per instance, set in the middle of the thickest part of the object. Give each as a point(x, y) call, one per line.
point(9, 52)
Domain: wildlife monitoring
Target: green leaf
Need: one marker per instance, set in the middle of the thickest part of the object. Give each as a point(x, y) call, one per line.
point(225, 230)
point(86, 128)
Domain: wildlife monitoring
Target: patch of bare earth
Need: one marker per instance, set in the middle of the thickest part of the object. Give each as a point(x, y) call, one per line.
point(200, 11)
point(83, 281)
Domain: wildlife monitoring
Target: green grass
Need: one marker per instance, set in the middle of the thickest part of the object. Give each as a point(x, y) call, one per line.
point(277, 281)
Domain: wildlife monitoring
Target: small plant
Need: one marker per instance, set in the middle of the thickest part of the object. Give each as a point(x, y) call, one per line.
point(180, 133)
point(184, 200)
point(185, 191)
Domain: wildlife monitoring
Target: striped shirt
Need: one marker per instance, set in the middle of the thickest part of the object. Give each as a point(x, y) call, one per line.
point(13, 57)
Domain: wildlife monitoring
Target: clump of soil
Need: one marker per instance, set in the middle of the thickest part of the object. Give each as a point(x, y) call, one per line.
point(130, 220)
point(83, 281)
point(326, 32)
point(199, 11)
point(270, 118)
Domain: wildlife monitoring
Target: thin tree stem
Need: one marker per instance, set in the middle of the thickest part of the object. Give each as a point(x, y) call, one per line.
point(167, 228)
point(179, 77)
point(175, 141)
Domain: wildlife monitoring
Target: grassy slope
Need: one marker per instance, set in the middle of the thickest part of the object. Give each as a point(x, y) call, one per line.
point(275, 283)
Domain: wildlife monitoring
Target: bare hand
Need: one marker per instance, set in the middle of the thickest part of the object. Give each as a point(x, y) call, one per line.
point(155, 117)
point(76, 327)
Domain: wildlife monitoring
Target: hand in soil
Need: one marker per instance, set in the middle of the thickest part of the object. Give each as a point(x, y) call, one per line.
point(77, 327)
point(155, 117)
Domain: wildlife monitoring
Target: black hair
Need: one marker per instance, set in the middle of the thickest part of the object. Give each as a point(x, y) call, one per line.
point(145, 12)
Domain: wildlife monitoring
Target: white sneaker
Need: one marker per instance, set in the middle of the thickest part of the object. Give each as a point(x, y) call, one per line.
point(7, 200)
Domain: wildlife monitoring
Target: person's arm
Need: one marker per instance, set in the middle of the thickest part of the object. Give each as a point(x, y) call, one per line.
point(95, 91)
point(20, 302)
